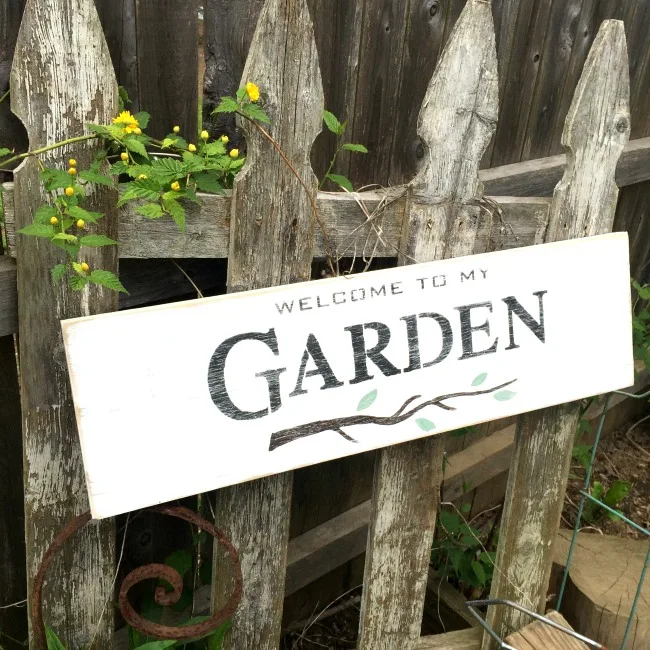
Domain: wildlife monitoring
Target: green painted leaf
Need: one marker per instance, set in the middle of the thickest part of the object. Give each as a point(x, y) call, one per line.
point(53, 641)
point(151, 211)
point(59, 272)
point(344, 182)
point(504, 395)
point(108, 280)
point(332, 123)
point(425, 425)
point(480, 379)
point(96, 241)
point(357, 148)
point(367, 401)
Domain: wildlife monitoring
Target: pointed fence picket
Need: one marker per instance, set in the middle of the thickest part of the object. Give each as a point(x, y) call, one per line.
point(270, 234)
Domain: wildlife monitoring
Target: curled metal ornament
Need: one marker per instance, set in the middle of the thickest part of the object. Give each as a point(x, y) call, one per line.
point(151, 571)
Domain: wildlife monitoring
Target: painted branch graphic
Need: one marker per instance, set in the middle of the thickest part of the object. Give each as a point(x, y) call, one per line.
point(284, 437)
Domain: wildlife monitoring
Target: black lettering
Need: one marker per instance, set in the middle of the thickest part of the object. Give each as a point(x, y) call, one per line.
point(413, 335)
point(339, 293)
point(304, 306)
point(396, 288)
point(318, 303)
point(442, 284)
point(469, 276)
point(285, 306)
point(377, 292)
point(217, 380)
point(314, 351)
point(536, 327)
point(422, 281)
point(467, 330)
point(363, 295)
point(362, 354)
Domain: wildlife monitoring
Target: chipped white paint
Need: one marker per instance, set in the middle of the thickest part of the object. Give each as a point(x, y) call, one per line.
point(596, 132)
point(62, 78)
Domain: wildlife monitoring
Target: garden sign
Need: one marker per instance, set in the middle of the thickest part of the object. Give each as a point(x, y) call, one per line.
point(208, 393)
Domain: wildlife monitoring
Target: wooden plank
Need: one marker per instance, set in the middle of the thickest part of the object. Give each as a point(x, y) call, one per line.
point(539, 177)
point(461, 640)
point(584, 203)
point(8, 298)
point(208, 229)
point(168, 65)
point(119, 22)
point(54, 107)
point(539, 636)
point(456, 122)
point(272, 233)
point(633, 215)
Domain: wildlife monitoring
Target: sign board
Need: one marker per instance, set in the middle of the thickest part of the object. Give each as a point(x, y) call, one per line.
point(184, 398)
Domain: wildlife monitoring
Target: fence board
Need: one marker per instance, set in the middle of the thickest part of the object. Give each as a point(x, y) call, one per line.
point(597, 129)
point(168, 64)
point(54, 36)
point(456, 122)
point(271, 243)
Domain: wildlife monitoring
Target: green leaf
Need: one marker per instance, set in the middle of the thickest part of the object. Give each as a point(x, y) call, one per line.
point(55, 179)
point(143, 119)
point(215, 642)
point(98, 179)
point(96, 241)
point(480, 379)
point(156, 645)
point(44, 214)
point(256, 113)
point(167, 170)
point(450, 522)
point(78, 282)
point(466, 508)
point(108, 280)
point(181, 561)
point(216, 148)
point(78, 268)
point(53, 641)
point(133, 144)
point(479, 572)
point(177, 211)
point(227, 105)
point(79, 213)
point(38, 230)
point(59, 272)
point(344, 182)
point(135, 192)
point(617, 492)
point(425, 425)
point(151, 211)
point(208, 182)
point(124, 97)
point(504, 396)
point(168, 142)
point(598, 490)
point(4, 152)
point(64, 236)
point(332, 123)
point(367, 401)
point(357, 148)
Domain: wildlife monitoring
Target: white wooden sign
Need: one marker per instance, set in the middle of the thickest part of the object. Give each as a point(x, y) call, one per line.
point(185, 398)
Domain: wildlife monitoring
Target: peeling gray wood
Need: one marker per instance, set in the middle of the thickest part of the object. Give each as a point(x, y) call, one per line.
point(271, 243)
point(584, 204)
point(208, 227)
point(456, 122)
point(61, 79)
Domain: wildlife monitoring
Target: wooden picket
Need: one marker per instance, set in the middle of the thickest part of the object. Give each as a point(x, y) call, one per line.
point(58, 84)
point(270, 235)
point(456, 123)
point(597, 129)
point(271, 243)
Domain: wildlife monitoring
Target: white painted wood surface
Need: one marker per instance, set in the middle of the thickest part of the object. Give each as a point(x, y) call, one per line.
point(160, 407)
point(596, 132)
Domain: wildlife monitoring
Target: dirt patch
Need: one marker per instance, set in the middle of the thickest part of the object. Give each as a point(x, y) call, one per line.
point(623, 455)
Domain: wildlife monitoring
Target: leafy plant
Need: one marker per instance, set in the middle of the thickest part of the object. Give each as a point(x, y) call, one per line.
point(641, 324)
point(611, 497)
point(338, 129)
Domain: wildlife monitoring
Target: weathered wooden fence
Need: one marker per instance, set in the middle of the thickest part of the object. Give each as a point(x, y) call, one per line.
point(441, 213)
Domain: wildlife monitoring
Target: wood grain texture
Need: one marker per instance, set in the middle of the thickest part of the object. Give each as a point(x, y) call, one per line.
point(272, 238)
point(56, 36)
point(457, 120)
point(596, 131)
point(8, 298)
point(539, 636)
point(168, 65)
point(461, 640)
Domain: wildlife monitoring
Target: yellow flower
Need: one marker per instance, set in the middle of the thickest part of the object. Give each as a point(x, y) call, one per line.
point(176, 129)
point(72, 162)
point(205, 135)
point(253, 91)
point(127, 119)
point(176, 186)
point(81, 223)
point(72, 171)
point(69, 191)
point(234, 153)
point(84, 267)
point(142, 177)
point(54, 221)
point(138, 131)
point(124, 156)
point(192, 148)
point(225, 139)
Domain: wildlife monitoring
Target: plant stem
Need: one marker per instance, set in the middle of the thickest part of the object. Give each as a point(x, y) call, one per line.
point(51, 147)
point(314, 207)
point(331, 167)
point(4, 97)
